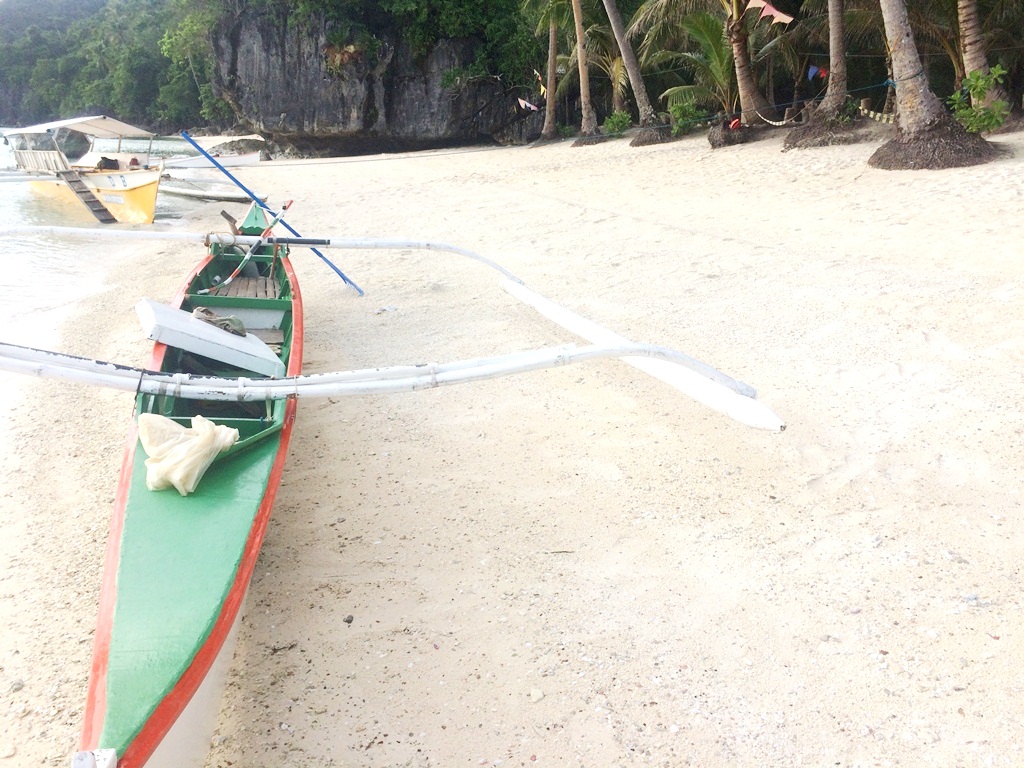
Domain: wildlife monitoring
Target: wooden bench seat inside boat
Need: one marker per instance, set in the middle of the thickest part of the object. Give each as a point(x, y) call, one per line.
point(259, 301)
point(249, 287)
point(178, 328)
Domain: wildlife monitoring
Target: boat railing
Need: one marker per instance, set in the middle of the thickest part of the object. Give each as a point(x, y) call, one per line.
point(40, 160)
point(105, 161)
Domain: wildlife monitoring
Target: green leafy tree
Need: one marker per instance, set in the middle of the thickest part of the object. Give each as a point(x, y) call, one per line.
point(187, 96)
point(971, 105)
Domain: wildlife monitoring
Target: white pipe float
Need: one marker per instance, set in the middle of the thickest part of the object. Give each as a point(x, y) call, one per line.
point(692, 377)
point(344, 383)
point(701, 382)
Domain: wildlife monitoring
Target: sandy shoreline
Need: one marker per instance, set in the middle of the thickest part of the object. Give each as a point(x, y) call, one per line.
point(581, 566)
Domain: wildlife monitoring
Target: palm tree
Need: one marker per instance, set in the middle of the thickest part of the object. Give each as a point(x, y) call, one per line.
point(661, 18)
point(972, 47)
point(649, 132)
point(550, 128)
point(835, 96)
point(753, 104)
point(588, 126)
point(962, 29)
point(928, 136)
point(604, 54)
point(710, 65)
point(550, 15)
point(825, 119)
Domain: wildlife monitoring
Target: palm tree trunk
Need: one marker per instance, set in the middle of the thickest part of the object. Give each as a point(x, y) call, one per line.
point(835, 96)
point(824, 121)
point(752, 101)
point(928, 136)
point(550, 128)
point(588, 127)
point(972, 47)
point(636, 81)
point(917, 107)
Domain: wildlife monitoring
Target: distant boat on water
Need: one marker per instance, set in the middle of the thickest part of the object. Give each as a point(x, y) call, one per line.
point(199, 161)
point(117, 186)
point(203, 189)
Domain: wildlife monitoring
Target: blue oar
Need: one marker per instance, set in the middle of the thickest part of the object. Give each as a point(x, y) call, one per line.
point(265, 207)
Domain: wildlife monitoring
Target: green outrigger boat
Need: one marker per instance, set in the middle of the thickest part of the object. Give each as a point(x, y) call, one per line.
point(177, 567)
point(179, 560)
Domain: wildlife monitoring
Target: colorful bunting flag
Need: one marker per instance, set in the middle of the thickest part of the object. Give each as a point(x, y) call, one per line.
point(767, 9)
point(524, 104)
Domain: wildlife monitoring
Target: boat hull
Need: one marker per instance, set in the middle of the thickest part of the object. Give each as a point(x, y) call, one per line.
point(129, 195)
point(228, 161)
point(176, 575)
point(208, 193)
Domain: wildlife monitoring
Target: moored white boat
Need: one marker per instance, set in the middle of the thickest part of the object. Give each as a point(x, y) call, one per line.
point(200, 161)
point(202, 189)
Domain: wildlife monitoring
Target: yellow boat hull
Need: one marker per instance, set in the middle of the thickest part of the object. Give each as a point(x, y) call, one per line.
point(129, 195)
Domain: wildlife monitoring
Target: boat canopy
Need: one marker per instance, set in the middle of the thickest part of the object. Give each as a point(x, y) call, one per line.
point(98, 126)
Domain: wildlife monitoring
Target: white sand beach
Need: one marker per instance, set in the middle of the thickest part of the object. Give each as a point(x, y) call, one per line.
point(582, 566)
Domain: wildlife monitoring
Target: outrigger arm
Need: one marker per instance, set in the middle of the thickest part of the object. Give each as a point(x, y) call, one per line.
point(692, 377)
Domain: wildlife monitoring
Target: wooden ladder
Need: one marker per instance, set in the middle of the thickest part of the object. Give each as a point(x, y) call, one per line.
point(75, 183)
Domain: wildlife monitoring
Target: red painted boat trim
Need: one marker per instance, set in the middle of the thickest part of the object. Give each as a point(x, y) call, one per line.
point(96, 693)
point(96, 696)
point(171, 707)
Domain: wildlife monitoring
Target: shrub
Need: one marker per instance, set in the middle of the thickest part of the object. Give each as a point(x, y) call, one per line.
point(686, 116)
point(616, 123)
point(979, 118)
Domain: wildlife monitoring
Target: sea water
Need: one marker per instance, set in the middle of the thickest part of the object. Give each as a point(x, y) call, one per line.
point(46, 275)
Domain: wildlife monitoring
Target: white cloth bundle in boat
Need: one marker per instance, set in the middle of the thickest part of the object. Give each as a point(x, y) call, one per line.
point(179, 456)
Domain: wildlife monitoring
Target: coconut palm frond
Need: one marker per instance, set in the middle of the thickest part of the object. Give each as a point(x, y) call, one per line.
point(698, 94)
point(709, 62)
point(657, 23)
point(543, 12)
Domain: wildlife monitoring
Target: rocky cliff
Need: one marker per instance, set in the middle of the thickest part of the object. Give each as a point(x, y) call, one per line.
point(293, 86)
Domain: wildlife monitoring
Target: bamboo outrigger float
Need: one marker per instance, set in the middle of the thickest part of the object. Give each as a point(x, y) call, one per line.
point(179, 560)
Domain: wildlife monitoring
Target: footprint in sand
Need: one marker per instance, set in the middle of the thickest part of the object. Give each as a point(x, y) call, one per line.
point(1006, 292)
point(849, 469)
point(942, 346)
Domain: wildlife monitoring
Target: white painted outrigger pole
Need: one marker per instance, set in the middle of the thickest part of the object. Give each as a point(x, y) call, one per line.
point(703, 383)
